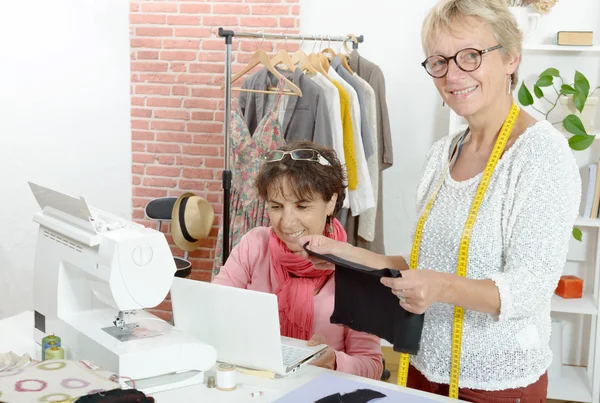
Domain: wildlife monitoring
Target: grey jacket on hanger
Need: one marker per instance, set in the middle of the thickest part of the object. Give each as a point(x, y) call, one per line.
point(306, 118)
point(365, 129)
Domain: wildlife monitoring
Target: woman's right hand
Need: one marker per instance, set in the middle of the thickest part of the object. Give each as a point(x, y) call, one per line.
point(324, 246)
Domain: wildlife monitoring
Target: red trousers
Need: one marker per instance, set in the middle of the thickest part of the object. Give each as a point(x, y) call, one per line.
point(534, 393)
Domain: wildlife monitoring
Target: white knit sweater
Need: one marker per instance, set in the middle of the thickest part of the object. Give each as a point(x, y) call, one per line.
point(520, 241)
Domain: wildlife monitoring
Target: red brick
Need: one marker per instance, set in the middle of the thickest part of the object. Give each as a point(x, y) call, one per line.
point(258, 22)
point(214, 186)
point(146, 43)
point(190, 161)
point(177, 55)
point(207, 92)
point(142, 158)
point(172, 172)
point(270, 10)
point(195, 8)
point(213, 44)
point(296, 10)
point(213, 199)
point(183, 20)
point(136, 180)
point(168, 125)
point(165, 159)
point(253, 46)
point(137, 214)
point(211, 56)
point(207, 68)
point(219, 116)
point(154, 31)
point(193, 32)
point(199, 254)
point(214, 162)
point(182, 44)
point(140, 202)
point(201, 275)
point(195, 78)
point(141, 113)
point(164, 315)
point(138, 169)
point(160, 182)
point(180, 90)
point(172, 114)
point(163, 7)
point(235, 9)
point(142, 135)
point(169, 102)
point(149, 66)
point(164, 306)
point(174, 137)
point(140, 124)
point(190, 184)
point(133, 7)
point(210, 104)
point(147, 192)
point(147, 55)
point(285, 22)
point(206, 127)
point(205, 264)
point(138, 101)
point(163, 148)
point(157, 78)
point(152, 89)
point(220, 21)
point(200, 150)
point(197, 173)
point(178, 67)
point(203, 115)
point(147, 19)
point(208, 139)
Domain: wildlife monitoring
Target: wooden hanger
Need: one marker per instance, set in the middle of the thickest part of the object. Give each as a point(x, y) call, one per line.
point(261, 58)
point(354, 39)
point(324, 60)
point(316, 63)
point(302, 58)
point(283, 57)
point(344, 60)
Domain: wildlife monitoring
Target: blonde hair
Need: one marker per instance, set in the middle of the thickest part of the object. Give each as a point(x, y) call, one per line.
point(494, 13)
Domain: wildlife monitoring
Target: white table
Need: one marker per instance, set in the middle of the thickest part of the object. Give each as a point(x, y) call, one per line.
point(16, 334)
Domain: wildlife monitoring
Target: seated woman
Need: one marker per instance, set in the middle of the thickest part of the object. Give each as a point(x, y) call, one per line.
point(303, 185)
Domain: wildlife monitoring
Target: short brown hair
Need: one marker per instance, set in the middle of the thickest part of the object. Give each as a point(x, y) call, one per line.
point(309, 179)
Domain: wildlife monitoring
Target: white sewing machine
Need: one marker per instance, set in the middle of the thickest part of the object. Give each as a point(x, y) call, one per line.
point(94, 273)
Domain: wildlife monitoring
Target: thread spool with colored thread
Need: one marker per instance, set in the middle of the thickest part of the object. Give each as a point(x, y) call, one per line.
point(226, 377)
point(46, 343)
point(55, 353)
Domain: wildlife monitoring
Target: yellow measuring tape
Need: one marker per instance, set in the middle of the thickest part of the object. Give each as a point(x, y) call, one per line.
point(463, 252)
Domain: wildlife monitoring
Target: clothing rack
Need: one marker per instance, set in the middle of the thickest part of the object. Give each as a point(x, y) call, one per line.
point(228, 35)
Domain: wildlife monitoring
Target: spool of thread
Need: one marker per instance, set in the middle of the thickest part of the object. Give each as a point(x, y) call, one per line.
point(226, 377)
point(55, 353)
point(49, 341)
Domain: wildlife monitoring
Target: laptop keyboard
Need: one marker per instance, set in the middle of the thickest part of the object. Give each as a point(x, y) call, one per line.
point(293, 355)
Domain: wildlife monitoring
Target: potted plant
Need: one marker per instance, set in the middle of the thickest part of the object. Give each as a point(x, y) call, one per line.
point(575, 97)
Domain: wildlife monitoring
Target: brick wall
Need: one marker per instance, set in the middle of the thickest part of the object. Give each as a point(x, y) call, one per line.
point(177, 65)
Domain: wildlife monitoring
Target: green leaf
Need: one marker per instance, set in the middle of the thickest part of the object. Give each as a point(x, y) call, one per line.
point(544, 81)
point(550, 72)
point(573, 125)
point(582, 84)
point(580, 143)
point(579, 101)
point(538, 91)
point(525, 97)
point(567, 90)
point(577, 233)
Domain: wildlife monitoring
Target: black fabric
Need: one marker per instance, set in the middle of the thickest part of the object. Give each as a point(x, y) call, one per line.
point(117, 396)
point(161, 208)
point(184, 231)
point(362, 303)
point(358, 396)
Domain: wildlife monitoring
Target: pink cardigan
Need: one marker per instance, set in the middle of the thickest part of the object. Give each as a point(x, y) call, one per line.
point(249, 267)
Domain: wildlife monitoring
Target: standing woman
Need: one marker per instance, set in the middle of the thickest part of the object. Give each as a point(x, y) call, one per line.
point(519, 180)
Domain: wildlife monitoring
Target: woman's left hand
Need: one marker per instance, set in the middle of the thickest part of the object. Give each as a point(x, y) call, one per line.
point(327, 358)
point(417, 290)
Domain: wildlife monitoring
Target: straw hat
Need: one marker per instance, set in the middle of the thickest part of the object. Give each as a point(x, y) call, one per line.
point(192, 219)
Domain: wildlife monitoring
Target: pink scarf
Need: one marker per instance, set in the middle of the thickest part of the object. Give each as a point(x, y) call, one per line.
point(297, 279)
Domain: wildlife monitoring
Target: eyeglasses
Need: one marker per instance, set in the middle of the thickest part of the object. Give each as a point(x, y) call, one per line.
point(297, 155)
point(468, 60)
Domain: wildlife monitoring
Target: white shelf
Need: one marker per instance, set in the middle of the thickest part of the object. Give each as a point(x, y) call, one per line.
point(587, 222)
point(573, 385)
point(560, 48)
point(584, 305)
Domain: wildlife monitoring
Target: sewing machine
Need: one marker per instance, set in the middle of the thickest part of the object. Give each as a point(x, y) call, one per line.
point(94, 273)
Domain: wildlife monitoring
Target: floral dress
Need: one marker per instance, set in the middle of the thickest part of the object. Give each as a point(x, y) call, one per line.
point(247, 210)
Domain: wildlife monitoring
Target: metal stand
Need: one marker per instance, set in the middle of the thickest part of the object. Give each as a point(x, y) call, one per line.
point(228, 35)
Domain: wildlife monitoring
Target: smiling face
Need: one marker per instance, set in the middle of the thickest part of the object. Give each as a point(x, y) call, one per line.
point(472, 93)
point(292, 217)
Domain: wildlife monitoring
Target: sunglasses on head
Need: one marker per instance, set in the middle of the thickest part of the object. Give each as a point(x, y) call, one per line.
point(297, 155)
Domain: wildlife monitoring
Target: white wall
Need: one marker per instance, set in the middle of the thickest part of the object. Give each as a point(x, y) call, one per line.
point(392, 40)
point(64, 120)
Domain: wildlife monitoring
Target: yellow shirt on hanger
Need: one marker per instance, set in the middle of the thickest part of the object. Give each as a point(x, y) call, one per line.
point(348, 137)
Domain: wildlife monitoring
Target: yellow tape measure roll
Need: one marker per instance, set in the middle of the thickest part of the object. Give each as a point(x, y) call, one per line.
point(463, 252)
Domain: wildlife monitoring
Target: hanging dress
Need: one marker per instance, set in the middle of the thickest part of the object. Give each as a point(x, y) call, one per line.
point(247, 210)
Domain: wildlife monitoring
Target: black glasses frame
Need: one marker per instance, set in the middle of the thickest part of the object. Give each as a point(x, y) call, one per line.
point(480, 51)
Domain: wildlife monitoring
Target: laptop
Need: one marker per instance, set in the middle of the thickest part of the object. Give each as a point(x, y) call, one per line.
point(242, 325)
